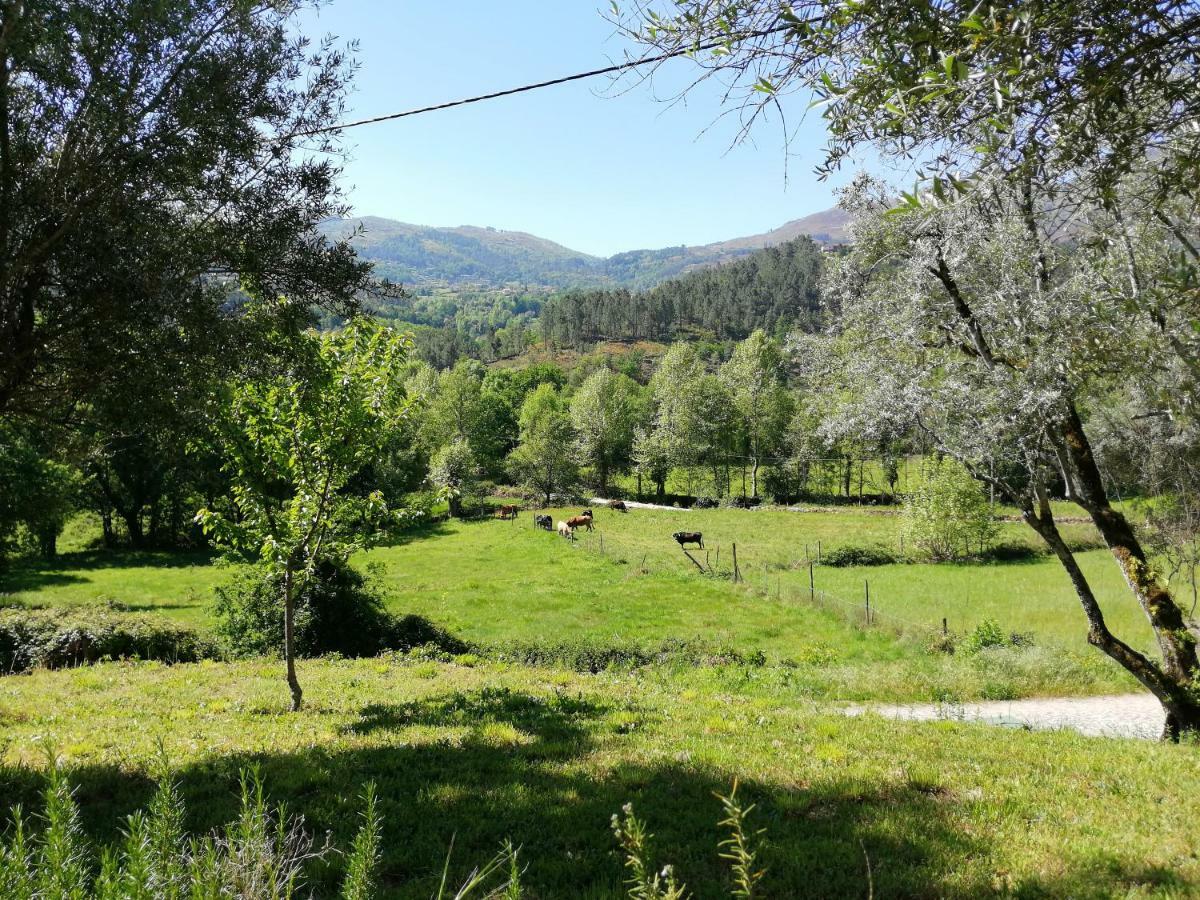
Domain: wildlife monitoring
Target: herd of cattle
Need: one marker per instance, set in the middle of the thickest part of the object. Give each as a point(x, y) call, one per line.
point(566, 528)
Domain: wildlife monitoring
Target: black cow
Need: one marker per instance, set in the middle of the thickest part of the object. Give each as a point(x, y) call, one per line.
point(689, 537)
point(544, 522)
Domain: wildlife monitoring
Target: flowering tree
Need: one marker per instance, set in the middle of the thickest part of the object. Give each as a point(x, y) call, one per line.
point(992, 339)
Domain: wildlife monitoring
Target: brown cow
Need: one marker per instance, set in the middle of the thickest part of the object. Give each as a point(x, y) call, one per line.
point(507, 512)
point(689, 537)
point(618, 505)
point(580, 522)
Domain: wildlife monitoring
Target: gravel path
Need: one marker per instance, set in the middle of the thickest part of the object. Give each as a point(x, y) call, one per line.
point(633, 504)
point(1125, 715)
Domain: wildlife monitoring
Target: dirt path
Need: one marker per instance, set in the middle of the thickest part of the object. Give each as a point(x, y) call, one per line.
point(1125, 715)
point(633, 504)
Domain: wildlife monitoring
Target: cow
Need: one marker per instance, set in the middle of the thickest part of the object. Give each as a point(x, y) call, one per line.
point(580, 522)
point(565, 531)
point(587, 512)
point(544, 522)
point(689, 537)
point(618, 505)
point(507, 512)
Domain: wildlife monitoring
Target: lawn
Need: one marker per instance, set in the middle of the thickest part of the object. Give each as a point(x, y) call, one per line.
point(474, 754)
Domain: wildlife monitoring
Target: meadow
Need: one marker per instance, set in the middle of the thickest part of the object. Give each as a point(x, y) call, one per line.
point(519, 740)
point(469, 753)
point(502, 585)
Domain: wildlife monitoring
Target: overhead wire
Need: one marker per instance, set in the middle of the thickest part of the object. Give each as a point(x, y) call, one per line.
point(578, 76)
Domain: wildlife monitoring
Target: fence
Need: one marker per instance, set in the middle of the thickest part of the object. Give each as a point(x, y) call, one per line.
point(863, 613)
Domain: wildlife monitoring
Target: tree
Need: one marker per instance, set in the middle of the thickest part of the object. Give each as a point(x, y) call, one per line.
point(947, 515)
point(154, 157)
point(754, 376)
point(991, 339)
point(671, 440)
point(292, 443)
point(605, 411)
point(39, 493)
point(453, 471)
point(544, 459)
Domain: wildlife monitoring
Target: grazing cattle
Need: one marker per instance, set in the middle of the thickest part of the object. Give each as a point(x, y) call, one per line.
point(580, 522)
point(544, 522)
point(507, 512)
point(689, 537)
point(587, 512)
point(618, 505)
point(565, 530)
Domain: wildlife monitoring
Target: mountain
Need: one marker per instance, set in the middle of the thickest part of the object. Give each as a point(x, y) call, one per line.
point(490, 258)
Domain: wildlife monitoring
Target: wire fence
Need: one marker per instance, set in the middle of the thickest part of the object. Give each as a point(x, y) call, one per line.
point(722, 562)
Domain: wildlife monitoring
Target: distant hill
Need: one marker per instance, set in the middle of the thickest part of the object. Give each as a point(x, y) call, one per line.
point(490, 258)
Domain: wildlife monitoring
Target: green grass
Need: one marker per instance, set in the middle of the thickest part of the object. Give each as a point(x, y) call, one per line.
point(501, 583)
point(476, 754)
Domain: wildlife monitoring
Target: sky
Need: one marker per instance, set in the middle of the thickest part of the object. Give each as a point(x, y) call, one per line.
point(581, 164)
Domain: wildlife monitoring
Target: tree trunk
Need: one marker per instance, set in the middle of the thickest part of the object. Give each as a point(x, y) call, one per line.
point(289, 637)
point(847, 472)
point(133, 524)
point(1173, 681)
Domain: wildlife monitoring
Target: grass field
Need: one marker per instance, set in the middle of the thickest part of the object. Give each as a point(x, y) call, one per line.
point(503, 583)
point(474, 754)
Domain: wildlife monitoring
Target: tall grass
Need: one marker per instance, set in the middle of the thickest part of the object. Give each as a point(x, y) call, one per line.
point(261, 855)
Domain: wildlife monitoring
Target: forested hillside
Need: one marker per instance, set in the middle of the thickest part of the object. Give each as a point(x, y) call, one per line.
point(472, 258)
point(774, 289)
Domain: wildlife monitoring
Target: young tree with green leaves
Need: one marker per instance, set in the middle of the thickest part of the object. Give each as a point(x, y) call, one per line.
point(605, 410)
point(947, 515)
point(454, 472)
point(293, 442)
point(756, 381)
point(544, 460)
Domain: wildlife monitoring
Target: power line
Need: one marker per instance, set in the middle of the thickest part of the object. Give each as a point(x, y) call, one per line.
point(607, 70)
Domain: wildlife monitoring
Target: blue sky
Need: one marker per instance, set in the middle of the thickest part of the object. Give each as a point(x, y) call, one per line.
point(575, 163)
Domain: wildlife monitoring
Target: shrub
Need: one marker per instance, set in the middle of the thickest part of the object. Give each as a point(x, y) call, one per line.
point(948, 516)
point(988, 634)
point(858, 555)
point(339, 611)
point(57, 638)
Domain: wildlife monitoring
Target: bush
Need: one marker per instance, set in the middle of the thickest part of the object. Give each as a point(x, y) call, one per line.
point(339, 611)
point(948, 516)
point(858, 555)
point(57, 638)
point(988, 634)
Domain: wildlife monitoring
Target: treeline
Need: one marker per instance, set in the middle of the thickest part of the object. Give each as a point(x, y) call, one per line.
point(775, 289)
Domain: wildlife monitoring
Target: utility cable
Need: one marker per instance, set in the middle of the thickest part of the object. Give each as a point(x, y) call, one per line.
point(607, 70)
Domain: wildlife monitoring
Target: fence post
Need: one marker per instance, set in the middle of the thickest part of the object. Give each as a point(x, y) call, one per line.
point(945, 629)
point(818, 551)
point(737, 575)
point(867, 591)
point(601, 542)
point(812, 589)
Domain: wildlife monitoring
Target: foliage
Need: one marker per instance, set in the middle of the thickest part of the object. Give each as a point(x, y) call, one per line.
point(338, 610)
point(858, 555)
point(293, 443)
point(755, 379)
point(947, 515)
point(454, 473)
point(200, 171)
point(260, 856)
point(39, 493)
point(57, 638)
point(773, 289)
point(545, 458)
point(605, 412)
point(988, 635)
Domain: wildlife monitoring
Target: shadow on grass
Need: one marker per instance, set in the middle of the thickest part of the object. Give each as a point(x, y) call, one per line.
point(472, 769)
point(32, 574)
